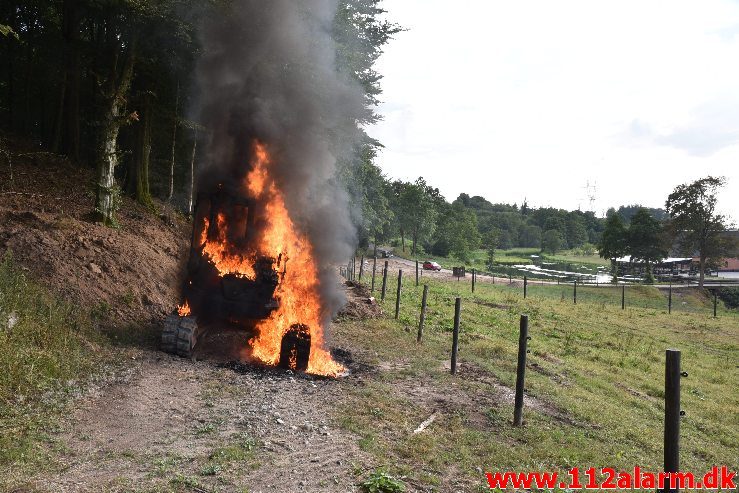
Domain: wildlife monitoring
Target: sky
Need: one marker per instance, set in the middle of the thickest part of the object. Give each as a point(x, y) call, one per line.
point(561, 102)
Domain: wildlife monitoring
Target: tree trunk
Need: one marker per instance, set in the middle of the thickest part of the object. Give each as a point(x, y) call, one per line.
point(27, 125)
point(649, 278)
point(174, 142)
point(614, 270)
point(58, 126)
point(192, 174)
point(107, 196)
point(114, 91)
point(71, 121)
point(415, 238)
point(402, 239)
point(11, 51)
point(143, 155)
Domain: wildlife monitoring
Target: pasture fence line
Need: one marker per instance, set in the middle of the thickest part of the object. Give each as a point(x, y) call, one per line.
point(603, 294)
point(673, 371)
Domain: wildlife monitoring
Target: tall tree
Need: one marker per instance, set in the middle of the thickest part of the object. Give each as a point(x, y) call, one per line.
point(118, 58)
point(695, 224)
point(416, 211)
point(646, 241)
point(613, 242)
point(576, 232)
point(491, 240)
point(458, 229)
point(530, 236)
point(551, 241)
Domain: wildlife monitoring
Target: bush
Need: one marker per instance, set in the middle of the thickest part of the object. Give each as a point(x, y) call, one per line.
point(730, 297)
point(441, 248)
point(381, 482)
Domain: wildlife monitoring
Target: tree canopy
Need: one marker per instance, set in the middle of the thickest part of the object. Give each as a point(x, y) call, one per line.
point(646, 240)
point(695, 225)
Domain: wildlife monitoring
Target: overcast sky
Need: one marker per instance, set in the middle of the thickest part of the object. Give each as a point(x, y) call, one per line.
point(534, 99)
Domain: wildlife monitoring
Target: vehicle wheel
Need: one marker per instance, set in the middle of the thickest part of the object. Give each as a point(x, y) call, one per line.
point(179, 335)
point(295, 348)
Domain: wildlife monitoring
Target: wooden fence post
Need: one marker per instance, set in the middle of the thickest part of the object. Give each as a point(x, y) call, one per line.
point(397, 297)
point(361, 268)
point(416, 272)
point(474, 275)
point(384, 282)
point(715, 303)
point(455, 334)
point(669, 300)
point(672, 414)
point(523, 338)
point(374, 270)
point(423, 312)
point(574, 295)
point(525, 285)
point(623, 297)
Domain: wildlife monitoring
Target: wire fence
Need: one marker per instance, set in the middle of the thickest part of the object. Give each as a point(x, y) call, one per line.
point(677, 298)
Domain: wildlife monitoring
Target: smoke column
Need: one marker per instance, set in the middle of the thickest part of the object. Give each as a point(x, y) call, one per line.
point(269, 72)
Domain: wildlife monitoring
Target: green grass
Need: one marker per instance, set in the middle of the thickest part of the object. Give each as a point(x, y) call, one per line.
point(597, 372)
point(48, 347)
point(577, 257)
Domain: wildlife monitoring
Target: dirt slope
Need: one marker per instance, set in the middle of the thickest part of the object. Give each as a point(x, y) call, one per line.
point(130, 273)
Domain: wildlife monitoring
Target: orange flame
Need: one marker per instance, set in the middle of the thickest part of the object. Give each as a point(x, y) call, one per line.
point(184, 309)
point(218, 250)
point(298, 289)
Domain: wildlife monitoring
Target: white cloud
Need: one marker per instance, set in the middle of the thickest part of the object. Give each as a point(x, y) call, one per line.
point(532, 99)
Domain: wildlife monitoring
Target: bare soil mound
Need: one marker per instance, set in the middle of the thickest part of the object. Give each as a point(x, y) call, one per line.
point(129, 274)
point(360, 304)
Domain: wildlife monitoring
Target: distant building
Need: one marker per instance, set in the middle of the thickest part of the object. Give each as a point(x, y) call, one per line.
point(680, 266)
point(731, 264)
point(670, 266)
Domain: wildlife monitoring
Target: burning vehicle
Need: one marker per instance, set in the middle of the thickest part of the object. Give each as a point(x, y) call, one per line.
point(250, 267)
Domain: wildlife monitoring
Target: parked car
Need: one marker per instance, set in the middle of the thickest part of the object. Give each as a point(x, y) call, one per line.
point(431, 265)
point(385, 253)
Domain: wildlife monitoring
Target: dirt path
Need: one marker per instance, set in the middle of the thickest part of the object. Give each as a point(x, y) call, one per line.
point(171, 424)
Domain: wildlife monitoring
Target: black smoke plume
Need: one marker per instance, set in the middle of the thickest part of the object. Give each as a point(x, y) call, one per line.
point(268, 72)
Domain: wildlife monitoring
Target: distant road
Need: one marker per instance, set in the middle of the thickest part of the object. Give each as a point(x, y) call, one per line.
point(399, 262)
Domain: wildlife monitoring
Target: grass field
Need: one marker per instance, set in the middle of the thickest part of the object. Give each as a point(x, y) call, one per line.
point(48, 349)
point(595, 377)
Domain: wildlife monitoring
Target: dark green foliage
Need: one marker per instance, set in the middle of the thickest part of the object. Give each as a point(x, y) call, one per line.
point(646, 240)
point(628, 211)
point(530, 236)
point(551, 241)
point(694, 223)
point(491, 242)
point(614, 241)
point(458, 228)
point(382, 482)
point(577, 234)
point(730, 297)
point(97, 81)
point(416, 206)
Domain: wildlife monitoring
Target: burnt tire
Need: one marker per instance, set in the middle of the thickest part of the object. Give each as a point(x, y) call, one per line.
point(179, 335)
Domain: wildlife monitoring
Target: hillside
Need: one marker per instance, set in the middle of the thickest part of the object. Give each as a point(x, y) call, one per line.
point(45, 224)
